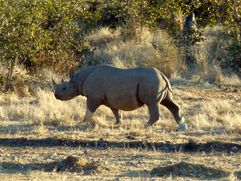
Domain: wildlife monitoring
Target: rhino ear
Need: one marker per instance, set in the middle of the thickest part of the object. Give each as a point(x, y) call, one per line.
point(62, 80)
point(72, 76)
point(54, 84)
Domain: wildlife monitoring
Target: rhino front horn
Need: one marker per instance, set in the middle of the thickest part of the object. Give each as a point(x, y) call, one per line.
point(54, 83)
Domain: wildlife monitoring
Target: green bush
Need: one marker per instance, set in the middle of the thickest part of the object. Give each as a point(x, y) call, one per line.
point(36, 32)
point(40, 33)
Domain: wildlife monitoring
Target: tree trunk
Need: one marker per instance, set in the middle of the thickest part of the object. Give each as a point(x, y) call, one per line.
point(190, 27)
point(9, 85)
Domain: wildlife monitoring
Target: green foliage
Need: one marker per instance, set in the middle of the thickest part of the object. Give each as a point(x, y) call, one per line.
point(51, 32)
point(171, 13)
point(41, 31)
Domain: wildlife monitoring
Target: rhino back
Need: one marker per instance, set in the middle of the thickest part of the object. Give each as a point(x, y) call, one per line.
point(124, 89)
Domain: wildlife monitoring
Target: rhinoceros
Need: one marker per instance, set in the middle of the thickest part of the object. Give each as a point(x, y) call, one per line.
point(121, 89)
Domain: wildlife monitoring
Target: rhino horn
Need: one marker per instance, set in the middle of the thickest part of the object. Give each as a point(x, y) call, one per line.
point(54, 83)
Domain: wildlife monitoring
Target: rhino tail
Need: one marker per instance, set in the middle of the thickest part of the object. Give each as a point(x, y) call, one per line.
point(168, 85)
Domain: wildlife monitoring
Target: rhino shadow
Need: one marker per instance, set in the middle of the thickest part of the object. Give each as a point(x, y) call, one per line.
point(191, 146)
point(16, 128)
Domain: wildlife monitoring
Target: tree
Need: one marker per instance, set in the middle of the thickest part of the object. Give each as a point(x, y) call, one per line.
point(35, 32)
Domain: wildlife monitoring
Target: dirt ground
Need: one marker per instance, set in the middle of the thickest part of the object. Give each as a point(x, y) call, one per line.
point(78, 152)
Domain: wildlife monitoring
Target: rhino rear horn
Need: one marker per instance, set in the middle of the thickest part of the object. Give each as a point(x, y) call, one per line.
point(54, 83)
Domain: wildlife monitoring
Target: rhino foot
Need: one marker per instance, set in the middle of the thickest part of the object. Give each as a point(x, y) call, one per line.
point(182, 127)
point(116, 126)
point(147, 126)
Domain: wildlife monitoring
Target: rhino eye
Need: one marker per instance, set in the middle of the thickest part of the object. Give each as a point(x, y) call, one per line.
point(64, 88)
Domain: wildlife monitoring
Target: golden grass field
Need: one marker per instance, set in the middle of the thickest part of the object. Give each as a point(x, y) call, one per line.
point(42, 138)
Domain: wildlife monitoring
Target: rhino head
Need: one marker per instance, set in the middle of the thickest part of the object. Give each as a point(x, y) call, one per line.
point(64, 90)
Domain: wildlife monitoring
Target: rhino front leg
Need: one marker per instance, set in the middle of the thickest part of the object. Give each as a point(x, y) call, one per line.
point(88, 115)
point(117, 115)
point(92, 105)
point(154, 114)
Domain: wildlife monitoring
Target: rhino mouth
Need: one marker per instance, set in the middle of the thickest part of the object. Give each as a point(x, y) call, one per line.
point(62, 98)
point(59, 97)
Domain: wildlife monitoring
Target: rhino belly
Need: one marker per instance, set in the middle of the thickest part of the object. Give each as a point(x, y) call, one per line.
point(123, 102)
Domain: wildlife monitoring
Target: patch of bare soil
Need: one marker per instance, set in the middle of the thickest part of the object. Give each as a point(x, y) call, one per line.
point(77, 164)
point(70, 164)
point(184, 169)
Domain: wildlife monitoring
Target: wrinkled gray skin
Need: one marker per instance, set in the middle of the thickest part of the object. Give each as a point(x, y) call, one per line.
point(121, 89)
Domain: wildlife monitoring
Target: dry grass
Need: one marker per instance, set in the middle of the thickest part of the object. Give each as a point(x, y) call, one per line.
point(212, 114)
point(202, 107)
point(44, 109)
point(155, 49)
point(32, 114)
point(213, 57)
point(128, 163)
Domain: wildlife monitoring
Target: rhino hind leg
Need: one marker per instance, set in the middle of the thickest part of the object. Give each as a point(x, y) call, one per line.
point(154, 114)
point(117, 115)
point(173, 107)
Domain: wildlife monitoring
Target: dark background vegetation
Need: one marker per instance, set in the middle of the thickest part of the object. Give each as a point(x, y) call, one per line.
point(51, 33)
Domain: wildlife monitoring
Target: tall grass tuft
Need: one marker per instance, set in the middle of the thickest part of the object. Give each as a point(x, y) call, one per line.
point(212, 56)
point(152, 49)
